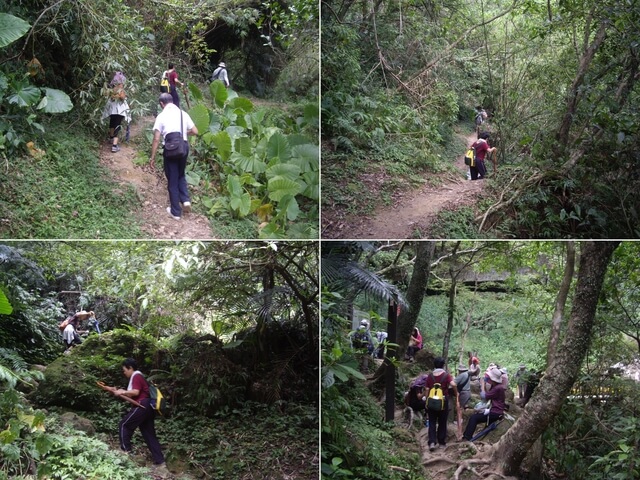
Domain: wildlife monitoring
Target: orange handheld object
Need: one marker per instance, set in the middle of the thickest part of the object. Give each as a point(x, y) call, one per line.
point(113, 390)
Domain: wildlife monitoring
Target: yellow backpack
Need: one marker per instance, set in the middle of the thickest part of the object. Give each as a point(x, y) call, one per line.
point(470, 157)
point(435, 401)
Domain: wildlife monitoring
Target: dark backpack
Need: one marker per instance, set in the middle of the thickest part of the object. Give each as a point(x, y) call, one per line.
point(360, 339)
point(416, 388)
point(158, 401)
point(217, 73)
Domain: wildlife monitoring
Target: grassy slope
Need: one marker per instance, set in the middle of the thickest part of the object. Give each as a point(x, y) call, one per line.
point(65, 193)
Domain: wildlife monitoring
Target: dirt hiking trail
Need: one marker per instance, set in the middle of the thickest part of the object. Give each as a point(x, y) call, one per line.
point(413, 212)
point(150, 186)
point(453, 459)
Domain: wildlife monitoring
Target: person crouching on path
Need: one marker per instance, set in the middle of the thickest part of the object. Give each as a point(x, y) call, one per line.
point(481, 145)
point(170, 120)
point(497, 396)
point(71, 334)
point(142, 418)
point(438, 418)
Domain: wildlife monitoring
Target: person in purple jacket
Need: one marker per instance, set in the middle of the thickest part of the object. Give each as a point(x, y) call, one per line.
point(497, 396)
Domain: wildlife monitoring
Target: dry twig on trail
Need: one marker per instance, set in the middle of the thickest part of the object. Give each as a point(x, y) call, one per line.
point(399, 469)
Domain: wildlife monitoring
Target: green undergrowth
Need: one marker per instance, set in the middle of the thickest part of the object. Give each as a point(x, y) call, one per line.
point(357, 443)
point(359, 181)
point(281, 439)
point(64, 192)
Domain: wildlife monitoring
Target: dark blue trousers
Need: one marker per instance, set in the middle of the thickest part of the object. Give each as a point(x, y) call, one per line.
point(438, 424)
point(142, 418)
point(177, 183)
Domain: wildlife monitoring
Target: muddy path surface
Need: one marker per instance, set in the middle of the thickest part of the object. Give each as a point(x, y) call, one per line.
point(413, 213)
point(150, 186)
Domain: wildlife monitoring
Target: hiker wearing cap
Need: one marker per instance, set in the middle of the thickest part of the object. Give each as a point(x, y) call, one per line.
point(521, 379)
point(361, 338)
point(415, 344)
point(173, 124)
point(438, 417)
point(71, 334)
point(220, 73)
point(464, 385)
point(496, 394)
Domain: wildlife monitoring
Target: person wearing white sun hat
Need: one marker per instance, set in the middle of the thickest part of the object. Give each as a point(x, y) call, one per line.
point(497, 396)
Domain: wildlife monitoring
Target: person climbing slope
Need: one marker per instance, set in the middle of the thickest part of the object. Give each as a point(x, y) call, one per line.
point(140, 417)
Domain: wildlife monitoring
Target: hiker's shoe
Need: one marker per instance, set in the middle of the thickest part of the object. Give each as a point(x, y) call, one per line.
point(186, 207)
point(432, 447)
point(115, 148)
point(161, 471)
point(171, 215)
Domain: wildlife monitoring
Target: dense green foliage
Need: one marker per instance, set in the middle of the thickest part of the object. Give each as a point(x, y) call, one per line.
point(69, 46)
point(559, 81)
point(502, 310)
point(228, 331)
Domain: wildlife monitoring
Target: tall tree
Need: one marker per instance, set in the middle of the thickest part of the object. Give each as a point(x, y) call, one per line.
point(563, 370)
point(561, 300)
point(415, 292)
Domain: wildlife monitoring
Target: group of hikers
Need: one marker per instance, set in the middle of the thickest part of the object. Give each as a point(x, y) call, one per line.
point(363, 341)
point(481, 149)
point(173, 124)
point(437, 393)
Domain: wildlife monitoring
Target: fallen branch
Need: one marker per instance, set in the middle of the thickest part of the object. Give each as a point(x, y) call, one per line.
point(399, 469)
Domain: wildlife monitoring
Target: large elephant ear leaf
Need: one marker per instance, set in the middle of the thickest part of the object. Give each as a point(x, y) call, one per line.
point(5, 306)
point(11, 29)
point(55, 101)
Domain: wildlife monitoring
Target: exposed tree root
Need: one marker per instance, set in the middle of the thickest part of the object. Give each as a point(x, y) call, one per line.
point(466, 465)
point(439, 459)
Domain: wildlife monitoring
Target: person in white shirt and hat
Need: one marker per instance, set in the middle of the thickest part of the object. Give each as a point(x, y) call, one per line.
point(220, 73)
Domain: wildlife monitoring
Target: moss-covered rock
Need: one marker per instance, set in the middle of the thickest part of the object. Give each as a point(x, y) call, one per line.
point(70, 381)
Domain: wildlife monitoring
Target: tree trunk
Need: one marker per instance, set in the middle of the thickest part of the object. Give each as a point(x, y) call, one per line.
point(564, 366)
point(561, 301)
point(415, 293)
point(451, 309)
point(409, 317)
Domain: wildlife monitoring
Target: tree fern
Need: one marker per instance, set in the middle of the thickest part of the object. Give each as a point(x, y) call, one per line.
point(6, 375)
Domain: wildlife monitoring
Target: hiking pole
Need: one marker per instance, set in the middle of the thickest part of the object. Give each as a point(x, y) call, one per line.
point(113, 390)
point(486, 430)
point(459, 418)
